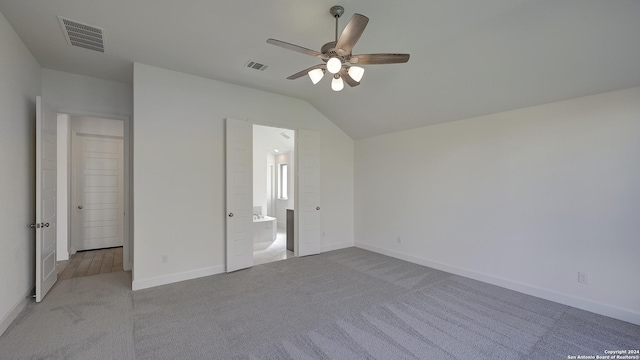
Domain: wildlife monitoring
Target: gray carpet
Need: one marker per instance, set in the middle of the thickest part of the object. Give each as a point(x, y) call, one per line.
point(345, 304)
point(83, 318)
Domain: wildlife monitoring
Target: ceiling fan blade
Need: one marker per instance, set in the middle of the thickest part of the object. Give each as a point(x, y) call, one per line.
point(351, 33)
point(375, 59)
point(306, 71)
point(295, 48)
point(347, 78)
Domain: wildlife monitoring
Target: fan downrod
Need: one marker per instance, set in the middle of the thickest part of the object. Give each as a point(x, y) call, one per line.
point(336, 12)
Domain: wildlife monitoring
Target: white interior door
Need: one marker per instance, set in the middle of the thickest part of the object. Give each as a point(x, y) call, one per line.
point(239, 176)
point(307, 208)
point(46, 133)
point(98, 192)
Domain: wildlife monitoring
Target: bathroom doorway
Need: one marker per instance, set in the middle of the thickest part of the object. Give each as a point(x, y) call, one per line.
point(273, 193)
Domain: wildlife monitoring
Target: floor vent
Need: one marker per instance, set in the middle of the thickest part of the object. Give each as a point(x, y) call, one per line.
point(255, 65)
point(83, 35)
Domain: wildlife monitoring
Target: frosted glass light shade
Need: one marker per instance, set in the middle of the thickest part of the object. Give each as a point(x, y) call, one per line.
point(316, 75)
point(334, 65)
point(337, 84)
point(356, 73)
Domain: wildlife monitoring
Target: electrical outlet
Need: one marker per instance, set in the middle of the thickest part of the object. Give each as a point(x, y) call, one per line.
point(399, 240)
point(583, 278)
point(165, 259)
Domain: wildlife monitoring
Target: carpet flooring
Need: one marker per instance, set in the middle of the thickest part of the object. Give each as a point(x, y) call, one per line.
point(344, 304)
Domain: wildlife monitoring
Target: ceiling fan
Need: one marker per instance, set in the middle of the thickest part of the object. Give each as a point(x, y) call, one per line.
point(337, 56)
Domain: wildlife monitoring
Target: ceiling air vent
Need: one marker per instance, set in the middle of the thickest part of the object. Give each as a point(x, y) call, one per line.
point(83, 35)
point(285, 135)
point(255, 65)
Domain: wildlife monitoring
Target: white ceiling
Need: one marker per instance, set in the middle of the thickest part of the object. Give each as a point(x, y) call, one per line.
point(468, 57)
point(271, 139)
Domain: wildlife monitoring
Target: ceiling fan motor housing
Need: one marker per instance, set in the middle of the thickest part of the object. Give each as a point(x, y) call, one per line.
point(329, 48)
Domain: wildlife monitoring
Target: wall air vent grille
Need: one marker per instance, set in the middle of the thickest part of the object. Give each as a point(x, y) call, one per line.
point(255, 65)
point(83, 35)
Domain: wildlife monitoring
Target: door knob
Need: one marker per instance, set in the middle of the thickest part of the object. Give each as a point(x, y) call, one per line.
point(317, 207)
point(32, 226)
point(230, 214)
point(80, 207)
point(45, 225)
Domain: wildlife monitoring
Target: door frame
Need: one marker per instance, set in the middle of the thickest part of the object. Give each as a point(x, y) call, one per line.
point(127, 241)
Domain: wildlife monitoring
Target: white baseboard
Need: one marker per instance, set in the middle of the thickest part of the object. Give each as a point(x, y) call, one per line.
point(62, 256)
point(335, 246)
point(214, 270)
point(15, 311)
point(173, 278)
point(562, 298)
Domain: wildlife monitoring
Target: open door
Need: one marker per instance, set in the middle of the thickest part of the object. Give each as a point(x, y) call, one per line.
point(46, 133)
point(307, 213)
point(239, 175)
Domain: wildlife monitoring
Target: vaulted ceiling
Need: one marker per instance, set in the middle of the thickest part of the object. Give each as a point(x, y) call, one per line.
point(468, 57)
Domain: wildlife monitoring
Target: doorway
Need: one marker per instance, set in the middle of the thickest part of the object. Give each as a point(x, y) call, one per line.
point(92, 195)
point(273, 193)
point(239, 193)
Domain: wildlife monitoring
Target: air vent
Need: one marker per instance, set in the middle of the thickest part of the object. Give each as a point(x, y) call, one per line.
point(284, 135)
point(255, 65)
point(83, 35)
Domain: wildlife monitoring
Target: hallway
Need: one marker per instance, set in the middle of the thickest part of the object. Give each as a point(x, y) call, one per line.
point(91, 262)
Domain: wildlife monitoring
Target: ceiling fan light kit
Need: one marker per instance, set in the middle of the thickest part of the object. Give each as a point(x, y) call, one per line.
point(316, 75)
point(337, 84)
point(334, 65)
point(356, 73)
point(337, 56)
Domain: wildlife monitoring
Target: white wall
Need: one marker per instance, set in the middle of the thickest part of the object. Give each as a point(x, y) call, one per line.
point(62, 197)
point(524, 199)
point(283, 204)
point(179, 183)
point(85, 95)
point(260, 170)
point(96, 126)
point(20, 81)
point(271, 195)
